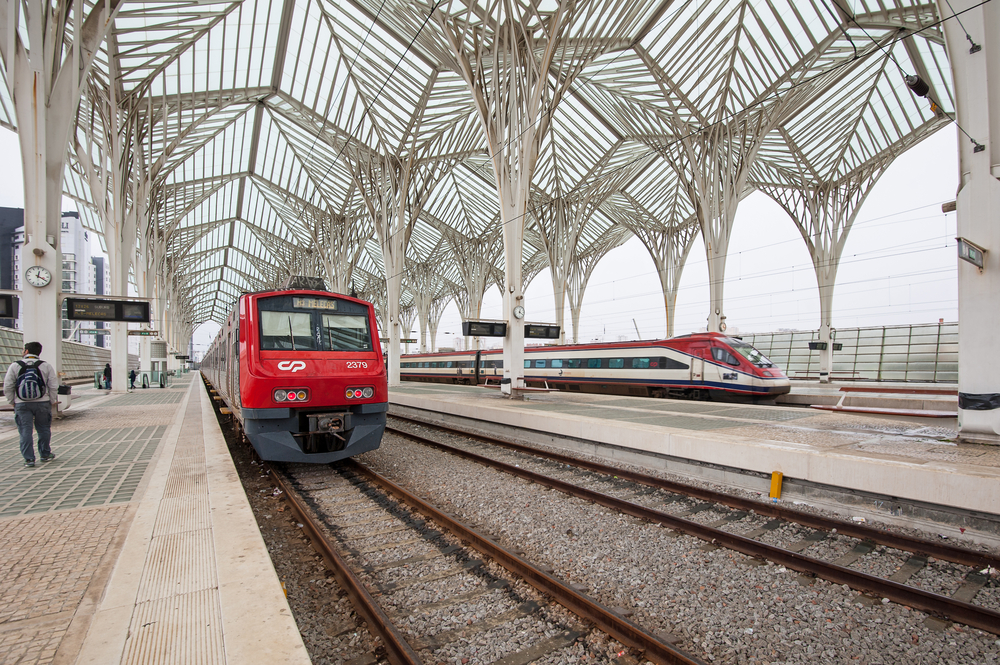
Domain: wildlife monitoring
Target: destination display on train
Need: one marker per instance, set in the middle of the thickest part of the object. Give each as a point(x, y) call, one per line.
point(314, 303)
point(92, 309)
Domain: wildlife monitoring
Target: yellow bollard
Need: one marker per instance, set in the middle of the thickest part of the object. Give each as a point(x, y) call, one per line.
point(776, 485)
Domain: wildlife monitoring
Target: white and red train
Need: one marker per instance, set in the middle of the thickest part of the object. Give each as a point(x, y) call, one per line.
point(303, 374)
point(698, 366)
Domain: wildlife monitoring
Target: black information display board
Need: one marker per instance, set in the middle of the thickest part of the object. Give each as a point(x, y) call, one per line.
point(8, 306)
point(89, 309)
point(534, 331)
point(484, 329)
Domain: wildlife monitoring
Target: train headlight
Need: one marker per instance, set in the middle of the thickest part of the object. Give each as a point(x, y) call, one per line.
point(359, 393)
point(766, 373)
point(291, 395)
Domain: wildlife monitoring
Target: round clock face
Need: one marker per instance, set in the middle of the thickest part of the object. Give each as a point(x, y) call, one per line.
point(519, 312)
point(37, 276)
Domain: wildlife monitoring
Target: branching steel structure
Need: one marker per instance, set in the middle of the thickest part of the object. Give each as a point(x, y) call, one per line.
point(418, 151)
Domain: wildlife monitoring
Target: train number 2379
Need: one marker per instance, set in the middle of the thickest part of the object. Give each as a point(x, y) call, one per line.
point(357, 364)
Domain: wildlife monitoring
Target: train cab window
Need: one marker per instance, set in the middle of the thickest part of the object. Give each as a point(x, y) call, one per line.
point(593, 363)
point(556, 362)
point(291, 331)
point(345, 332)
point(574, 362)
point(640, 363)
point(723, 356)
point(539, 363)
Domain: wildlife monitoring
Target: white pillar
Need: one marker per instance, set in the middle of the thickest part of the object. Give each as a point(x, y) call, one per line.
point(977, 93)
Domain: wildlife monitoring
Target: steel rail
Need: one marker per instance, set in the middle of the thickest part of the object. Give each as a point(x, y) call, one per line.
point(626, 632)
point(967, 613)
point(966, 557)
point(398, 650)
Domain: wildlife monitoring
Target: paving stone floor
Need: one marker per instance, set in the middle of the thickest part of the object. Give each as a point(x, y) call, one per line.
point(59, 520)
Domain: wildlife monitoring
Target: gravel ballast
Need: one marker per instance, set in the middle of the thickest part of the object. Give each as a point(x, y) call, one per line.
point(723, 606)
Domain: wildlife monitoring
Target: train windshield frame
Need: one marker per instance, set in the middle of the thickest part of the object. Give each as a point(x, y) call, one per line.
point(297, 323)
point(753, 356)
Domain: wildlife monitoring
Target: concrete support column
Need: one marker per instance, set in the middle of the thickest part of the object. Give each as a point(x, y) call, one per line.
point(977, 88)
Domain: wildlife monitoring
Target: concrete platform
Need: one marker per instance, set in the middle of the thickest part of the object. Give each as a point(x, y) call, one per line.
point(136, 544)
point(903, 470)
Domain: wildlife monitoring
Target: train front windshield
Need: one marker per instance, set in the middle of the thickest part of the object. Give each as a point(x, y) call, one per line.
point(297, 323)
point(751, 354)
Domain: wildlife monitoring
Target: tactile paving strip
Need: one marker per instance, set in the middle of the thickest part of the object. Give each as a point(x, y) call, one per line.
point(147, 399)
point(92, 468)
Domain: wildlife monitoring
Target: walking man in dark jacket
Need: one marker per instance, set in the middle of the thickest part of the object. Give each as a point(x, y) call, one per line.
point(32, 386)
point(107, 376)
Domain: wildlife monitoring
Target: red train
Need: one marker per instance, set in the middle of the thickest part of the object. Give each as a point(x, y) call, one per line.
point(699, 366)
point(302, 372)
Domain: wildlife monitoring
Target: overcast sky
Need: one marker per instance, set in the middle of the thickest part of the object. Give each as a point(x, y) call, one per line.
point(898, 267)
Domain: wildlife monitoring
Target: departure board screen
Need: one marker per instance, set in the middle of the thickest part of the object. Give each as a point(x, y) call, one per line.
point(88, 309)
point(8, 306)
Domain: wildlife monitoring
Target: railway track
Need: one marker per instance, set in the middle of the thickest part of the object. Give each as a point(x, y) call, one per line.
point(764, 531)
point(414, 574)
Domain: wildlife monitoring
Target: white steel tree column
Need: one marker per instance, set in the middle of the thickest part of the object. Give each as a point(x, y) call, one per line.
point(583, 267)
point(824, 214)
point(119, 186)
point(395, 191)
point(977, 94)
point(427, 284)
point(505, 52)
point(561, 224)
point(714, 167)
point(668, 242)
point(48, 49)
point(474, 259)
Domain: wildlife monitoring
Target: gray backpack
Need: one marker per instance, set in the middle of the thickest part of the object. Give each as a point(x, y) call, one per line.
point(30, 384)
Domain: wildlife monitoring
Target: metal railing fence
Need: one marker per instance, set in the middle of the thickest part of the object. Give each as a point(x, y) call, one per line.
point(926, 353)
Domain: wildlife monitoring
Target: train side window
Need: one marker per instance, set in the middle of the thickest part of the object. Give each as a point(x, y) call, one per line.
point(640, 363)
point(451, 363)
point(593, 363)
point(556, 362)
point(574, 362)
point(527, 364)
point(724, 356)
point(539, 363)
point(616, 363)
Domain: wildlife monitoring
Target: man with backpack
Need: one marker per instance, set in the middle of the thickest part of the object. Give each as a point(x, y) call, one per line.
point(31, 385)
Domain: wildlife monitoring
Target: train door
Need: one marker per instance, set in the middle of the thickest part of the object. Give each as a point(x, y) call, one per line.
point(236, 367)
point(698, 352)
point(476, 371)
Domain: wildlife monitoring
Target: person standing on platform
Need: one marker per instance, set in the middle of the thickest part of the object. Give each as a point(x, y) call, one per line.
point(107, 376)
point(131, 379)
point(32, 386)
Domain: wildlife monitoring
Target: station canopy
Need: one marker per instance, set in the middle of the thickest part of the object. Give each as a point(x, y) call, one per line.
point(243, 130)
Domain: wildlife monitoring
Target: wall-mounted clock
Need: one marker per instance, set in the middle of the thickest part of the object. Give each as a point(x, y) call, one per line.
point(37, 276)
point(518, 312)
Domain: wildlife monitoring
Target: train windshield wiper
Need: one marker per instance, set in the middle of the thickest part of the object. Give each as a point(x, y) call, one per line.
point(291, 335)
